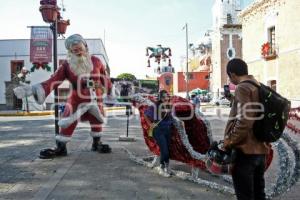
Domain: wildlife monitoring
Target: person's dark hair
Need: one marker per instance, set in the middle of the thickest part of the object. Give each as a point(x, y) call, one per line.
point(237, 66)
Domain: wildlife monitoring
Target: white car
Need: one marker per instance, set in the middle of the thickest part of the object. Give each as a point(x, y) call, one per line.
point(220, 101)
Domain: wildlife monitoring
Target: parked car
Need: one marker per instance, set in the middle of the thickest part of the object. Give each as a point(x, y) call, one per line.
point(220, 101)
point(204, 98)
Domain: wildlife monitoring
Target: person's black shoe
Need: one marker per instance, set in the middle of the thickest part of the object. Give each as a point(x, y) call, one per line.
point(96, 143)
point(60, 150)
point(104, 148)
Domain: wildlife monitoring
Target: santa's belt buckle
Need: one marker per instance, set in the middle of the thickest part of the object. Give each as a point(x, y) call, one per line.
point(90, 84)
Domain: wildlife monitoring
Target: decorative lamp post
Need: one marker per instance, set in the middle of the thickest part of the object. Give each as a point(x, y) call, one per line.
point(50, 13)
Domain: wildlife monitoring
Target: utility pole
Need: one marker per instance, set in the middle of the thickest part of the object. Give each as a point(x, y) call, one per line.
point(104, 37)
point(187, 62)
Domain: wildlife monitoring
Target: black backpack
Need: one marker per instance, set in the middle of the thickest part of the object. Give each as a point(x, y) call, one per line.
point(275, 115)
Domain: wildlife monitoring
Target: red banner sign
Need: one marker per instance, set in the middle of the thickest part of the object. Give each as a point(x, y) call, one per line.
point(41, 45)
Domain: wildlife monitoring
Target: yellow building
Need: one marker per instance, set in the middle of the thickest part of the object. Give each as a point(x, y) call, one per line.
point(276, 24)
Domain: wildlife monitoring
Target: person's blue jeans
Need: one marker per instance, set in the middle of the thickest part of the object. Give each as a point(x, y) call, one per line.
point(162, 136)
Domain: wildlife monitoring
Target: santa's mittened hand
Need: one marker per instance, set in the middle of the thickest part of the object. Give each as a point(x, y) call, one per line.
point(22, 91)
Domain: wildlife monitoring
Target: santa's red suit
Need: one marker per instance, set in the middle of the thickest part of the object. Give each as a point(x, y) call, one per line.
point(85, 100)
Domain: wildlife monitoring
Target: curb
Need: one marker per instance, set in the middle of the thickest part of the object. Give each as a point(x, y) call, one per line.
point(32, 113)
point(44, 113)
point(114, 108)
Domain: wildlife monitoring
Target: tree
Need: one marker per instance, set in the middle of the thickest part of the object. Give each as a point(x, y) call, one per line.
point(127, 77)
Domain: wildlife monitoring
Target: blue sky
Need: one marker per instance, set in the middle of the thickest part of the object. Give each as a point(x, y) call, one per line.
point(130, 26)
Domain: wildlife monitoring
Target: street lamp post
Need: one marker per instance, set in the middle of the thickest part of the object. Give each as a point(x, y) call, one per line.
point(50, 13)
point(53, 27)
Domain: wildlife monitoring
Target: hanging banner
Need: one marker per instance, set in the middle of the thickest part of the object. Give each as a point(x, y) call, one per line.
point(41, 45)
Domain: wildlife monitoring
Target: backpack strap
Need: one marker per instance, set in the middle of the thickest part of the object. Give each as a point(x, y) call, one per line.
point(251, 82)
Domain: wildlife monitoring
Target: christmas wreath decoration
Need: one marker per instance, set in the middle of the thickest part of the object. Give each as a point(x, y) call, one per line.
point(267, 52)
point(265, 49)
point(40, 65)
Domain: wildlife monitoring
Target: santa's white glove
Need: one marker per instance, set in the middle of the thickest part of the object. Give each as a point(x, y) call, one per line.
point(24, 90)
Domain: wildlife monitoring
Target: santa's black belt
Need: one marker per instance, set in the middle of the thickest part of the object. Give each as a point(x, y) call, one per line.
point(86, 85)
point(75, 86)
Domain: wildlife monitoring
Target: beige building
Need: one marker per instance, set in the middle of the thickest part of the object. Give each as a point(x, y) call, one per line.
point(276, 24)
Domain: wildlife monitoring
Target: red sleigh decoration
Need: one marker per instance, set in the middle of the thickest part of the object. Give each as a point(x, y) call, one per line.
point(196, 129)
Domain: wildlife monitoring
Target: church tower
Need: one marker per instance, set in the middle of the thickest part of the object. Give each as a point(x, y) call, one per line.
point(225, 12)
point(226, 40)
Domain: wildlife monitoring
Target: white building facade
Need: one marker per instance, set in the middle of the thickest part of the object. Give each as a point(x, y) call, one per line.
point(15, 54)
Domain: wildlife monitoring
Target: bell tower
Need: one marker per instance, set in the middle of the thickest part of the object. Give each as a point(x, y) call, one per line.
point(225, 12)
point(226, 39)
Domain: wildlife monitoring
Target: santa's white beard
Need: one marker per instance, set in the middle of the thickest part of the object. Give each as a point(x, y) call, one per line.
point(80, 64)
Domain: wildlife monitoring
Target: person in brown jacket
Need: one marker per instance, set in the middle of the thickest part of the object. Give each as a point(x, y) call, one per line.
point(249, 165)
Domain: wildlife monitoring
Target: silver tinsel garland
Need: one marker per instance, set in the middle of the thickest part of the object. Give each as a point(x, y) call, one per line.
point(209, 184)
point(294, 145)
point(284, 170)
point(180, 174)
point(141, 100)
point(289, 168)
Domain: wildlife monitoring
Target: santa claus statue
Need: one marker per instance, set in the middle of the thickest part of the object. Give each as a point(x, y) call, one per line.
point(89, 81)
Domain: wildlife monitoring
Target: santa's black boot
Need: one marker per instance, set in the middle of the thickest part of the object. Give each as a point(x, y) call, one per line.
point(96, 143)
point(60, 150)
